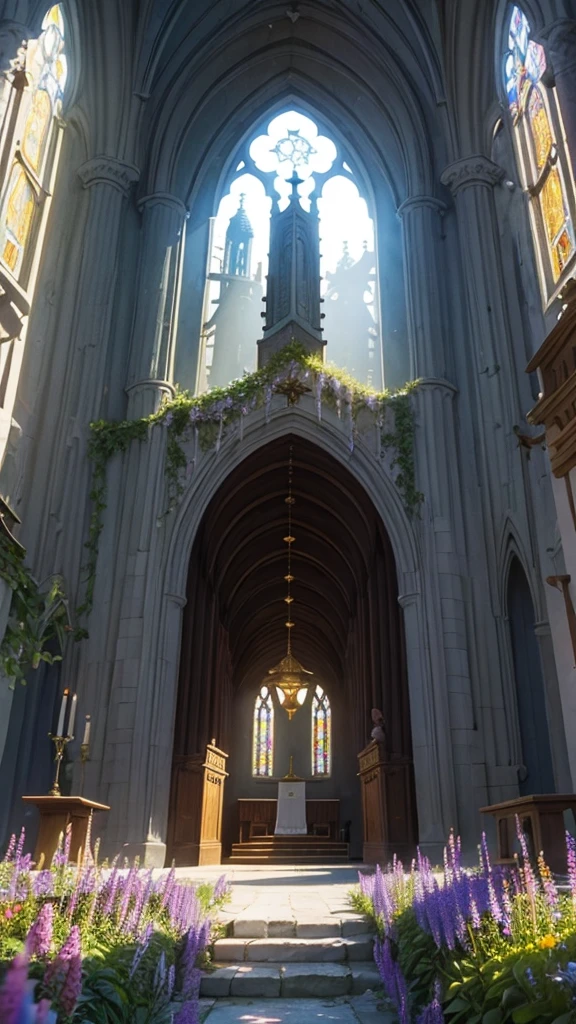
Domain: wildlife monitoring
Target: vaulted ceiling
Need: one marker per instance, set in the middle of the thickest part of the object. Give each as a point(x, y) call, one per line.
point(244, 557)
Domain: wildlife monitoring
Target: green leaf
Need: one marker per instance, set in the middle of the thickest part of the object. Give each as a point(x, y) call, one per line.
point(493, 1017)
point(531, 1011)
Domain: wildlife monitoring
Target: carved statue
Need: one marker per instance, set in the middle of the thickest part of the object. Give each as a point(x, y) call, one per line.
point(379, 731)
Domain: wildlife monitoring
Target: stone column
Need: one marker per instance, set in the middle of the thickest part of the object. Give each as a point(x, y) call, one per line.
point(560, 44)
point(441, 528)
point(79, 402)
point(139, 728)
point(152, 354)
point(493, 401)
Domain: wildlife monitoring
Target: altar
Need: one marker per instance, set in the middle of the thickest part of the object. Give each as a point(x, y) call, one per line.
point(291, 809)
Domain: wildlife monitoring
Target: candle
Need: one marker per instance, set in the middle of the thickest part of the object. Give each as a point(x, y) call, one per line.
point(87, 727)
point(60, 729)
point(72, 714)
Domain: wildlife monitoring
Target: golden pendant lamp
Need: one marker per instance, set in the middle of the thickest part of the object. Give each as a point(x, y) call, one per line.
point(289, 677)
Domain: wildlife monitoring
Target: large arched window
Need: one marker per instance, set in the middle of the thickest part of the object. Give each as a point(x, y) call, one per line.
point(542, 154)
point(30, 133)
point(321, 733)
point(232, 324)
point(263, 735)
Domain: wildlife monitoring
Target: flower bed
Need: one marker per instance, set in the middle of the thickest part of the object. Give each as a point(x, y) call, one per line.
point(488, 946)
point(108, 946)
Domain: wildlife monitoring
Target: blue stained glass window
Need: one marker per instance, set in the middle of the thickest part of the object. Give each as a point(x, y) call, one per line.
point(263, 735)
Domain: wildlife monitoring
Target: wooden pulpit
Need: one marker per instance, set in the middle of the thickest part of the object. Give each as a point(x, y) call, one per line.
point(56, 813)
point(387, 805)
point(197, 801)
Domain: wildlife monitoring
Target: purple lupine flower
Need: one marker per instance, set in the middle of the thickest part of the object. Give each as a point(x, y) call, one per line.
point(170, 981)
point(72, 987)
point(393, 979)
point(40, 935)
point(571, 860)
point(432, 1014)
point(20, 847)
point(8, 856)
point(43, 883)
point(221, 888)
point(43, 1013)
point(127, 892)
point(140, 950)
point(141, 903)
point(58, 968)
point(189, 1013)
point(111, 889)
point(13, 992)
point(169, 881)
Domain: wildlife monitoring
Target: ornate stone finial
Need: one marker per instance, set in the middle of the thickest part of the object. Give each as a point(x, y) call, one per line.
point(471, 170)
point(106, 170)
point(12, 35)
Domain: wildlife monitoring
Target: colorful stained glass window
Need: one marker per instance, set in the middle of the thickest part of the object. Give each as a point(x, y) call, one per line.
point(543, 159)
point(321, 733)
point(46, 71)
point(263, 742)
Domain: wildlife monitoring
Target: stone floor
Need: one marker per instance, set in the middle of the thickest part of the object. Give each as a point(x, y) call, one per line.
point(286, 926)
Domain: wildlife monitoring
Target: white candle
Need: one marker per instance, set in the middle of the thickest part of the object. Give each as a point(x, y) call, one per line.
point(87, 727)
point(72, 714)
point(60, 729)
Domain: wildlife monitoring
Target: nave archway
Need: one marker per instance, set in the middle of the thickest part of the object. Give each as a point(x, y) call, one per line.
point(349, 633)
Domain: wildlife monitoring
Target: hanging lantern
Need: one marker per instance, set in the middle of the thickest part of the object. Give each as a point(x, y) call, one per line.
point(289, 677)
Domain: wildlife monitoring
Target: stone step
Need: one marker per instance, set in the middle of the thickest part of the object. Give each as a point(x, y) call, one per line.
point(310, 926)
point(294, 858)
point(296, 981)
point(295, 950)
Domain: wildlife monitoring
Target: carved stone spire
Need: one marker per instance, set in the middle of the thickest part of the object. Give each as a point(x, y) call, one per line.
point(293, 289)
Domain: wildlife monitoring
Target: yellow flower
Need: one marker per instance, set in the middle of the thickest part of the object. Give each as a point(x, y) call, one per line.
point(548, 942)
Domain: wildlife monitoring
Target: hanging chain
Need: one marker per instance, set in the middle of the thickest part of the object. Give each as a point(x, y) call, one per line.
point(290, 501)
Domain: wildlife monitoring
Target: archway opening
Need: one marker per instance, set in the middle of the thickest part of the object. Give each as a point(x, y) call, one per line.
point(348, 632)
point(538, 775)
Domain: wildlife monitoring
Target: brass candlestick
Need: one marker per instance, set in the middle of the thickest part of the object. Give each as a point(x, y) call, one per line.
point(60, 745)
point(84, 756)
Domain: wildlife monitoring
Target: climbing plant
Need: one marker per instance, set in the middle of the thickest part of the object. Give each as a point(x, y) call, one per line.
point(204, 420)
point(37, 620)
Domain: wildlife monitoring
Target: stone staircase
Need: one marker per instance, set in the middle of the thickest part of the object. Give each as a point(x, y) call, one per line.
point(297, 959)
point(289, 850)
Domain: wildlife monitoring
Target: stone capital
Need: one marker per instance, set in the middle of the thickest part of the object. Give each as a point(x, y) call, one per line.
point(106, 170)
point(163, 199)
point(560, 43)
point(417, 202)
point(471, 170)
point(405, 600)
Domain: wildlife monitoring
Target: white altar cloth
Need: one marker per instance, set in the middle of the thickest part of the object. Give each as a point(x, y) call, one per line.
point(291, 814)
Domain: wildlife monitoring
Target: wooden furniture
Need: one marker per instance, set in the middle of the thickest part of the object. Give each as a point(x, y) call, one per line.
point(542, 821)
point(387, 805)
point(258, 817)
point(196, 813)
point(56, 812)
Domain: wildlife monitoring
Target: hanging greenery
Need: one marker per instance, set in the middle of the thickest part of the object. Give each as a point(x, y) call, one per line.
point(37, 620)
point(204, 419)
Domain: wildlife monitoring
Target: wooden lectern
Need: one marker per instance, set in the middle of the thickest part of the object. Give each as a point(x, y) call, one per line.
point(56, 812)
point(197, 801)
point(387, 805)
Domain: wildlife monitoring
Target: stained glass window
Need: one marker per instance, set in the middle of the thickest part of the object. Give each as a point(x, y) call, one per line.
point(288, 143)
point(321, 733)
point(542, 151)
point(263, 742)
point(41, 89)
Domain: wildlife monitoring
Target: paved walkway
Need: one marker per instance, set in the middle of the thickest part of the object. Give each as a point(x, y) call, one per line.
point(284, 894)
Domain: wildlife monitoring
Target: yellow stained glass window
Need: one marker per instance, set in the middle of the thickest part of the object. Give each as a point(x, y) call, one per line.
point(19, 211)
point(553, 204)
point(321, 733)
point(540, 128)
point(37, 128)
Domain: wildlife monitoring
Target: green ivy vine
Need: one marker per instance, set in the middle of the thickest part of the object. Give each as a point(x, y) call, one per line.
point(205, 418)
point(38, 618)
